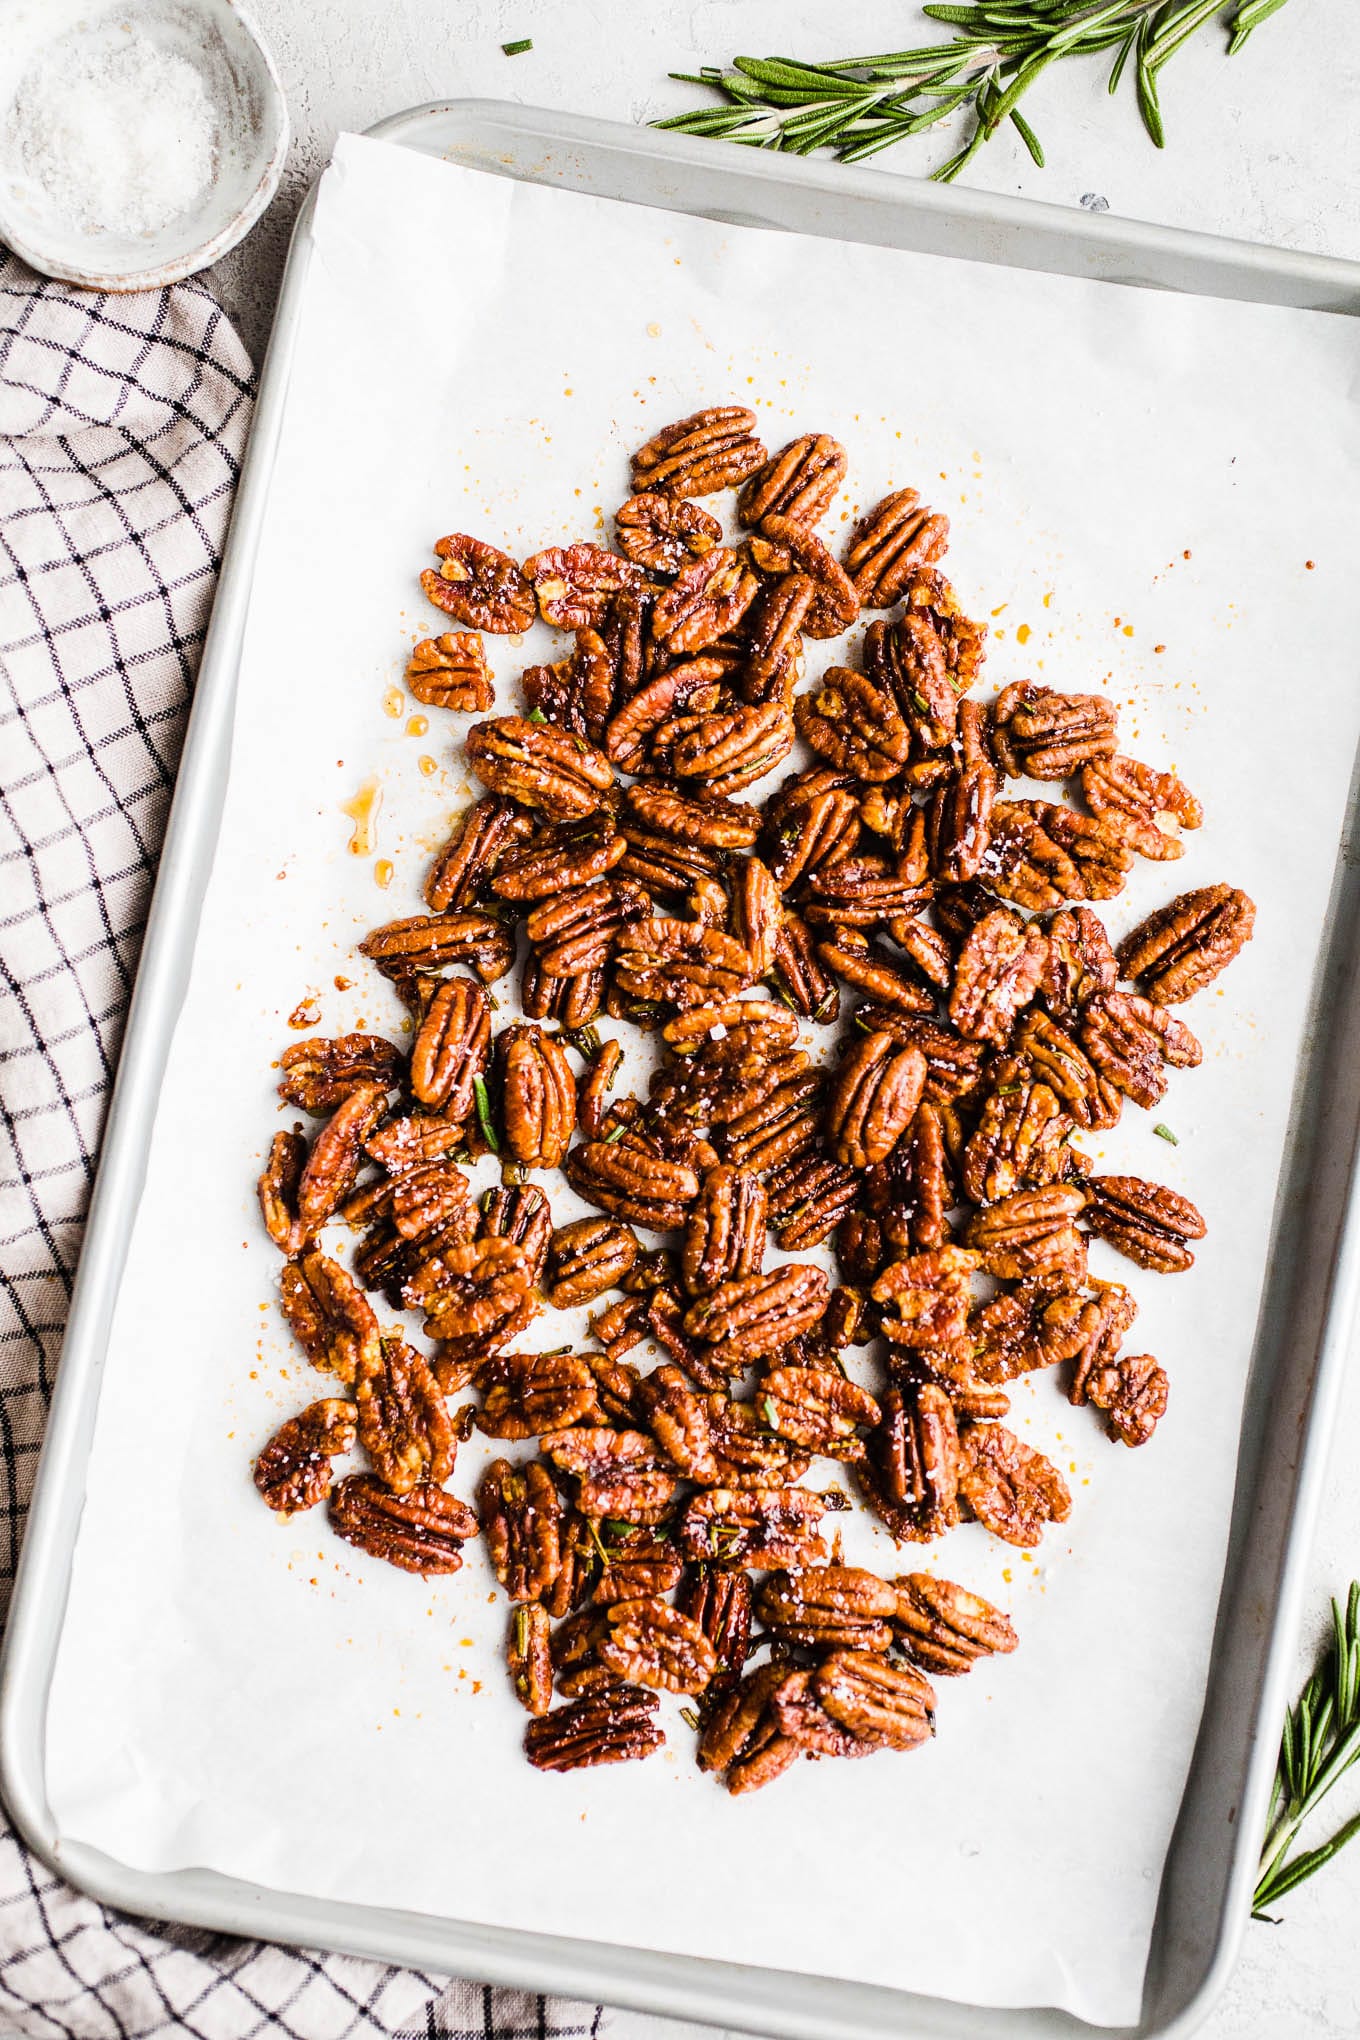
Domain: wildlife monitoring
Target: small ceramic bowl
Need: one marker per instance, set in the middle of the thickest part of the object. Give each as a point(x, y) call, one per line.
point(223, 42)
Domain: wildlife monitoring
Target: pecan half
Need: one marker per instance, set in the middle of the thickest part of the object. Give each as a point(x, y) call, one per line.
point(586, 1258)
point(485, 832)
point(855, 725)
point(773, 629)
point(403, 1424)
point(329, 1315)
point(763, 1528)
point(705, 601)
point(319, 1075)
point(814, 820)
point(538, 1096)
point(1031, 1232)
point(945, 1628)
point(728, 751)
point(1039, 733)
point(1085, 1092)
point(662, 533)
point(1133, 1392)
point(1010, 1489)
point(332, 1164)
point(725, 1230)
point(886, 1706)
point(451, 1049)
point(476, 1297)
point(1024, 862)
point(450, 671)
point(563, 858)
point(678, 1420)
point(694, 687)
point(1133, 1043)
point(799, 482)
point(526, 1394)
point(656, 1645)
point(718, 1598)
point(799, 973)
point(1144, 1221)
point(818, 1409)
point(830, 1607)
point(786, 545)
point(522, 1519)
point(710, 450)
point(1136, 803)
point(678, 962)
point(953, 1065)
point(422, 1531)
point(890, 543)
point(609, 1727)
point(999, 971)
point(642, 1188)
point(575, 584)
point(1101, 861)
point(911, 1472)
point(928, 1295)
point(1020, 1138)
point(1182, 948)
point(959, 821)
point(705, 819)
point(540, 766)
point(294, 1470)
point(1080, 963)
point(872, 969)
point(873, 1100)
point(436, 942)
point(757, 913)
point(742, 1736)
point(528, 1659)
point(757, 1314)
point(734, 1025)
point(808, 1198)
point(478, 585)
point(618, 1472)
point(747, 1452)
point(277, 1191)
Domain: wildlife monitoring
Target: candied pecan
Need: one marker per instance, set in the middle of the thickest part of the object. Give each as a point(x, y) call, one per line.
point(638, 1566)
point(431, 1200)
point(906, 660)
point(763, 1528)
point(575, 583)
point(748, 1453)
point(577, 693)
point(725, 1230)
point(642, 1188)
point(1144, 1221)
point(890, 543)
point(329, 1315)
point(1100, 860)
point(450, 671)
point(1019, 1140)
point(434, 942)
point(521, 1214)
point(786, 545)
point(962, 641)
point(403, 1424)
point(592, 1095)
point(1041, 734)
point(679, 962)
point(663, 533)
point(451, 1048)
point(563, 858)
point(277, 1190)
point(422, 1531)
point(474, 1295)
point(608, 1727)
point(959, 821)
point(959, 908)
point(529, 1393)
point(710, 450)
point(318, 1075)
point(412, 1142)
point(1031, 1232)
point(664, 866)
point(1135, 802)
point(830, 1607)
point(953, 1065)
point(855, 893)
point(949, 1368)
point(757, 1314)
point(576, 931)
point(1010, 1489)
point(998, 972)
point(1080, 963)
point(929, 1295)
point(294, 1470)
point(329, 1172)
point(1182, 948)
point(478, 585)
point(529, 1659)
point(923, 1152)
point(540, 766)
point(704, 819)
point(883, 1705)
point(1098, 1327)
point(870, 968)
point(706, 599)
point(945, 1628)
point(820, 1410)
point(1133, 1392)
point(730, 750)
point(910, 1475)
point(798, 482)
point(1084, 1091)
point(619, 1473)
point(813, 820)
point(694, 686)
point(654, 1644)
point(733, 1726)
point(1023, 862)
point(538, 1096)
point(522, 1520)
point(799, 974)
point(799, 1715)
point(573, 1001)
point(857, 726)
point(1133, 1043)
point(873, 1100)
point(586, 1258)
point(774, 637)
point(757, 913)
point(808, 1198)
point(718, 1598)
point(678, 1420)
point(738, 1025)
point(485, 832)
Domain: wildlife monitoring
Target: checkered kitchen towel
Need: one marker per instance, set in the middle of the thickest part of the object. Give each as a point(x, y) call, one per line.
point(122, 421)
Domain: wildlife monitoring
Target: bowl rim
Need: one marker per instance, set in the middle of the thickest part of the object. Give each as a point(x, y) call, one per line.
point(157, 275)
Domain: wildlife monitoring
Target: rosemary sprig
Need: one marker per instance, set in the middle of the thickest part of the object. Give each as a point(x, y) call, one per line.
point(859, 105)
point(1320, 1743)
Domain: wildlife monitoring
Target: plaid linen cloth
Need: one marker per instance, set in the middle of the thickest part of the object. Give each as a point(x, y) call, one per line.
point(122, 423)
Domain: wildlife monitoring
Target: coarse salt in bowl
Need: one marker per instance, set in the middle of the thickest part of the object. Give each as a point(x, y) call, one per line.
point(138, 142)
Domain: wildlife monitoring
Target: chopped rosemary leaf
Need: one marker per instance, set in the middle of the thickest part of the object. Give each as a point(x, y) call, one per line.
point(484, 1114)
point(771, 1414)
point(614, 1133)
point(536, 715)
point(1163, 1132)
point(690, 1718)
point(521, 1630)
point(517, 49)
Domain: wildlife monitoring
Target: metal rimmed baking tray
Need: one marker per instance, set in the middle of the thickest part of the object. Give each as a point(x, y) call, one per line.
point(1308, 1305)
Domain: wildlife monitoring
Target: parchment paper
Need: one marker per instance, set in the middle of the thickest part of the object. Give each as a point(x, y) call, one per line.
point(1137, 483)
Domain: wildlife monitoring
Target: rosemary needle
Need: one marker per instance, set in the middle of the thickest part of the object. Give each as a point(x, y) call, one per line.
point(859, 105)
point(1320, 1743)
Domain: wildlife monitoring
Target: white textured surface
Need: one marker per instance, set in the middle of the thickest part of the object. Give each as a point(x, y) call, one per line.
point(1264, 148)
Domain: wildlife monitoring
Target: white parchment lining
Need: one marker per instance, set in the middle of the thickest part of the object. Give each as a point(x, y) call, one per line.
point(1136, 482)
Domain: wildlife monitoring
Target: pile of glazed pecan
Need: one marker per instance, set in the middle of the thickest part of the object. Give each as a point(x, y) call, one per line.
point(935, 1151)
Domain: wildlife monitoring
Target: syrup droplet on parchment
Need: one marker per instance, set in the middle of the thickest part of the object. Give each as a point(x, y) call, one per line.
point(363, 812)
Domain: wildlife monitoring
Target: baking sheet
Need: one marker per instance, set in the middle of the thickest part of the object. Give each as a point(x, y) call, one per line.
point(480, 354)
